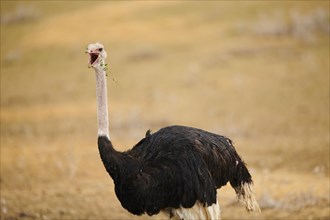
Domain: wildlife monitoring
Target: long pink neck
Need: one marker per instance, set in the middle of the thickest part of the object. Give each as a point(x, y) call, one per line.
point(102, 103)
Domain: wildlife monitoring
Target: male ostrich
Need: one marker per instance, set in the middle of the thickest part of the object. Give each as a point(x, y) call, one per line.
point(176, 170)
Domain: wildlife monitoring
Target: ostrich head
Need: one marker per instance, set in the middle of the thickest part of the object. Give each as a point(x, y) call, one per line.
point(97, 56)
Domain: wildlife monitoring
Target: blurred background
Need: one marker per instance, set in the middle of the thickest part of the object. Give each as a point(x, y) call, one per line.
point(255, 71)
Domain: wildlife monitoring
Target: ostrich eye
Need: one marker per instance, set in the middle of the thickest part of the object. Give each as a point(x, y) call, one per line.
point(100, 49)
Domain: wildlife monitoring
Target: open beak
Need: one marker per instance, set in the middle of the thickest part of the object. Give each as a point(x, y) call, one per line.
point(93, 58)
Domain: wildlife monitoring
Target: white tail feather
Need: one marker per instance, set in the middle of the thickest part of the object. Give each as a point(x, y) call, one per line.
point(245, 195)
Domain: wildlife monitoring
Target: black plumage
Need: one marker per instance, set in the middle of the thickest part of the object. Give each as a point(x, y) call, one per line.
point(171, 168)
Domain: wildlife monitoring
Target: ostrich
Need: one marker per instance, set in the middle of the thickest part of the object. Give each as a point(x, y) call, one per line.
point(176, 170)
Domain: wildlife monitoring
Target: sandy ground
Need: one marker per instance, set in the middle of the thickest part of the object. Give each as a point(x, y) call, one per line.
point(257, 72)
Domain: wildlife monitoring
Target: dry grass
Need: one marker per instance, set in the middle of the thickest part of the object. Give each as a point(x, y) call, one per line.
point(257, 72)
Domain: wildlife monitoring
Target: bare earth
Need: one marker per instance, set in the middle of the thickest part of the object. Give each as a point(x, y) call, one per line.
point(255, 71)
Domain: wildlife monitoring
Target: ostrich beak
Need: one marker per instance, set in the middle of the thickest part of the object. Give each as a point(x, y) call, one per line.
point(93, 58)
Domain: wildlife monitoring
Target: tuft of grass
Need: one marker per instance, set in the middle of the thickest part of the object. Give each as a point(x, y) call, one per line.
point(293, 201)
point(304, 26)
point(20, 14)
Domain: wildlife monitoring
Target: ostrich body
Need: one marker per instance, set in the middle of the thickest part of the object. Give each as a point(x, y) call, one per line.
point(176, 170)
